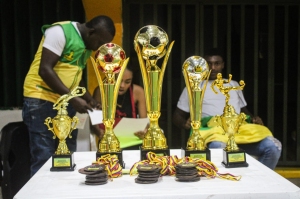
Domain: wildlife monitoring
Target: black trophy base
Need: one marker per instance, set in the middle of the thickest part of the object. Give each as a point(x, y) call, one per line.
point(234, 159)
point(118, 154)
point(63, 163)
point(158, 152)
point(200, 154)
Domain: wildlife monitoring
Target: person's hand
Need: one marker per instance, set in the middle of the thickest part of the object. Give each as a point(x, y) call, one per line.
point(141, 134)
point(100, 133)
point(257, 120)
point(80, 105)
point(187, 124)
point(95, 104)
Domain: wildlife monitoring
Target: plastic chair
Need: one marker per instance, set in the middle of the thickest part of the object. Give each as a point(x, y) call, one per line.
point(15, 158)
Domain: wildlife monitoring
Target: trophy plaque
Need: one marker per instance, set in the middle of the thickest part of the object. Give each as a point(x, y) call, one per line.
point(110, 59)
point(230, 122)
point(62, 126)
point(196, 72)
point(150, 44)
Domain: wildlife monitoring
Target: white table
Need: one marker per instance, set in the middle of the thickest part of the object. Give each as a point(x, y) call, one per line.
point(257, 181)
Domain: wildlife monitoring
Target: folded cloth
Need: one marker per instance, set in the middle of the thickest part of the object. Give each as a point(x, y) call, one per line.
point(247, 133)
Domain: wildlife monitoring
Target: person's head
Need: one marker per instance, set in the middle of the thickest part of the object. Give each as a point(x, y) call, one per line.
point(215, 61)
point(98, 31)
point(126, 80)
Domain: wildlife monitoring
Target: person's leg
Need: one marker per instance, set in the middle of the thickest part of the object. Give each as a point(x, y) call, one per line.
point(216, 145)
point(268, 151)
point(42, 144)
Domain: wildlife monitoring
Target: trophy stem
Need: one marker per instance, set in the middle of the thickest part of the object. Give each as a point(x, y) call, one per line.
point(62, 148)
point(154, 138)
point(109, 142)
point(231, 144)
point(196, 141)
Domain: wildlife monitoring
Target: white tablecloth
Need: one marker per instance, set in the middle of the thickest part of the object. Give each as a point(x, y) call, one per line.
point(257, 181)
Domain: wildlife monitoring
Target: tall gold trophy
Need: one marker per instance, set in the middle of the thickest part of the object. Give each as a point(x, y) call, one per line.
point(150, 44)
point(110, 60)
point(195, 71)
point(230, 122)
point(62, 126)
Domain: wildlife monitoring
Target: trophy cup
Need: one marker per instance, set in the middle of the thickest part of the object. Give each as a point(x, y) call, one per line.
point(110, 60)
point(195, 71)
point(62, 126)
point(230, 122)
point(150, 44)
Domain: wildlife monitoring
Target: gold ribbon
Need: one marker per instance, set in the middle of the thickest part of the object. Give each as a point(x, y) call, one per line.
point(112, 165)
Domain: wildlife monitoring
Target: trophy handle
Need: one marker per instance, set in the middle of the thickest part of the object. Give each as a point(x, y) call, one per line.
point(74, 123)
point(47, 122)
point(118, 83)
point(62, 102)
point(204, 87)
point(144, 72)
point(100, 82)
point(164, 64)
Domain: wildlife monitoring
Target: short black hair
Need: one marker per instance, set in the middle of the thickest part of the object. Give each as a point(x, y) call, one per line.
point(214, 52)
point(104, 22)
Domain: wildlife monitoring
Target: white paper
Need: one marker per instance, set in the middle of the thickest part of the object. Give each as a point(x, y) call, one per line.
point(128, 126)
point(81, 120)
point(96, 116)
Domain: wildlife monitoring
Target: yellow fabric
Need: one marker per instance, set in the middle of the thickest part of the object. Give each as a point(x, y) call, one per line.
point(248, 133)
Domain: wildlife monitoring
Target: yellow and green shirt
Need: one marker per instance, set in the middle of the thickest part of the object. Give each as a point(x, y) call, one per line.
point(68, 68)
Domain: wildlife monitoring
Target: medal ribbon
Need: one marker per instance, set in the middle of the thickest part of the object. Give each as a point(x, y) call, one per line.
point(167, 163)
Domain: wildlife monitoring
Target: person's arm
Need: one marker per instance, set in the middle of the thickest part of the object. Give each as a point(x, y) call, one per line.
point(88, 97)
point(141, 101)
point(95, 129)
point(48, 61)
point(255, 119)
point(181, 119)
point(97, 97)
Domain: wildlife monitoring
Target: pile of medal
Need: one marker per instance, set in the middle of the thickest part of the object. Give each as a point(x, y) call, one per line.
point(148, 173)
point(95, 174)
point(187, 172)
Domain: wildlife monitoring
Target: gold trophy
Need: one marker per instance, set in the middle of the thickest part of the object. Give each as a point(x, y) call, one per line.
point(230, 122)
point(110, 60)
point(150, 44)
point(62, 127)
point(195, 71)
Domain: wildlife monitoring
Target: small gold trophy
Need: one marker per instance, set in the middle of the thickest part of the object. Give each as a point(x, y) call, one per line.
point(62, 126)
point(150, 44)
point(230, 122)
point(195, 71)
point(110, 60)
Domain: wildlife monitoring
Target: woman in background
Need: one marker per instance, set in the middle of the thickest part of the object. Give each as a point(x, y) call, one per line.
point(131, 103)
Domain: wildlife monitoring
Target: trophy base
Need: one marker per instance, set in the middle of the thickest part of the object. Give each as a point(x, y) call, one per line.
point(158, 152)
point(63, 163)
point(200, 154)
point(118, 154)
point(234, 159)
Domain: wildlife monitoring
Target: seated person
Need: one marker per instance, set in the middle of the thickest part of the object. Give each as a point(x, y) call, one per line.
point(254, 138)
point(131, 103)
